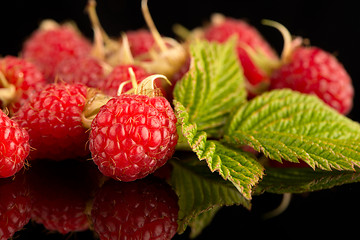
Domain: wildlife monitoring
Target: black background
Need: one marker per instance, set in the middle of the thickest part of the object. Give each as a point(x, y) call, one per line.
point(331, 25)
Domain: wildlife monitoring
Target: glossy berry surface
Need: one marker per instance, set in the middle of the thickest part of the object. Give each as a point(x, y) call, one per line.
point(14, 147)
point(132, 136)
point(312, 70)
point(144, 209)
point(53, 120)
point(46, 48)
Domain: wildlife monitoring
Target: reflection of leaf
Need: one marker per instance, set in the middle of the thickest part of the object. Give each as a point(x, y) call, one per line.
point(213, 86)
point(235, 165)
point(287, 125)
point(202, 221)
point(299, 180)
point(199, 190)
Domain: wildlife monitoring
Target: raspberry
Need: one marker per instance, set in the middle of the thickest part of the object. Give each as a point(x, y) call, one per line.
point(144, 209)
point(312, 70)
point(248, 40)
point(60, 204)
point(15, 205)
point(53, 120)
point(24, 76)
point(132, 136)
point(48, 46)
point(140, 41)
point(86, 70)
point(121, 74)
point(14, 147)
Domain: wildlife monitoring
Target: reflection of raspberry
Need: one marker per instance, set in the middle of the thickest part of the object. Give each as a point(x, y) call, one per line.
point(53, 120)
point(15, 206)
point(132, 136)
point(14, 146)
point(144, 209)
point(60, 204)
point(46, 48)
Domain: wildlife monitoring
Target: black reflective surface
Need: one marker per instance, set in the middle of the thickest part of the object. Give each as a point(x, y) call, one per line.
point(72, 199)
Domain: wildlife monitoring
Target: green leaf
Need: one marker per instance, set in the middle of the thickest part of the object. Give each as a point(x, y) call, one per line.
point(213, 86)
point(237, 166)
point(287, 125)
point(300, 180)
point(200, 191)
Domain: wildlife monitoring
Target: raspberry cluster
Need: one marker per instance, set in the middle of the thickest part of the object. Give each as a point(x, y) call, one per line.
point(66, 97)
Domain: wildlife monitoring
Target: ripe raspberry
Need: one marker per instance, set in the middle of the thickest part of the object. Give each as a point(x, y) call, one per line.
point(15, 205)
point(312, 70)
point(86, 70)
point(132, 136)
point(24, 76)
point(121, 74)
point(144, 209)
point(140, 41)
point(60, 204)
point(48, 46)
point(14, 147)
point(53, 120)
point(248, 39)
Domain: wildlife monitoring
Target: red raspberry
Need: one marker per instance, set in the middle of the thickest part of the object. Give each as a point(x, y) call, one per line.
point(46, 48)
point(24, 76)
point(132, 136)
point(144, 209)
point(53, 120)
point(86, 70)
point(15, 205)
point(14, 147)
point(312, 70)
point(140, 41)
point(60, 204)
point(121, 74)
point(223, 28)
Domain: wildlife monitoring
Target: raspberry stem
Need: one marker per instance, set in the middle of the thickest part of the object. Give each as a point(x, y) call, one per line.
point(49, 24)
point(290, 43)
point(149, 21)
point(7, 91)
point(126, 52)
point(146, 86)
point(104, 48)
point(168, 57)
point(95, 101)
